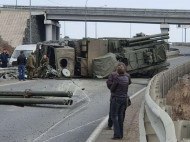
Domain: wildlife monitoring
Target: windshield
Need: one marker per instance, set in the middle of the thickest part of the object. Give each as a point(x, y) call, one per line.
point(16, 53)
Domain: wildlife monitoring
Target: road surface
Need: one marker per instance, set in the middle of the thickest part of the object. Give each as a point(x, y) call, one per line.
point(61, 123)
point(58, 123)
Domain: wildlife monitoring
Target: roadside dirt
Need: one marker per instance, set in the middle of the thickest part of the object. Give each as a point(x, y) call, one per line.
point(5, 45)
point(179, 98)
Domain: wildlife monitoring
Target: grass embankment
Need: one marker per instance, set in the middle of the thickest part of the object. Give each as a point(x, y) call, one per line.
point(179, 98)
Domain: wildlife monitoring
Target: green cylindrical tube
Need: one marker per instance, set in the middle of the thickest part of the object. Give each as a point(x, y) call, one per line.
point(29, 101)
point(146, 37)
point(49, 93)
point(37, 93)
point(147, 45)
point(148, 41)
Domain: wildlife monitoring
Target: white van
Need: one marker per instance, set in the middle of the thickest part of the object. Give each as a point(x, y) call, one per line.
point(28, 49)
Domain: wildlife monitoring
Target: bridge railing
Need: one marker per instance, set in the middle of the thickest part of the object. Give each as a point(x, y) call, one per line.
point(133, 11)
point(158, 112)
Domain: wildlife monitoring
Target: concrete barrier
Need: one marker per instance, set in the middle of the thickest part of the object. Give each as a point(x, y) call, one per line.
point(158, 112)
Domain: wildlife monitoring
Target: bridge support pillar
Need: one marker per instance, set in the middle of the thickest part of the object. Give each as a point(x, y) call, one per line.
point(164, 29)
point(57, 33)
point(52, 30)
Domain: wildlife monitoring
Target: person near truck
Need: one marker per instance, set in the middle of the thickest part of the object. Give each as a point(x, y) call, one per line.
point(43, 66)
point(4, 58)
point(21, 61)
point(30, 65)
point(119, 96)
point(109, 83)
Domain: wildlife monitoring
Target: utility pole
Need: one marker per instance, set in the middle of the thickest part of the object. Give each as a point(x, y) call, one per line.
point(185, 34)
point(96, 26)
point(130, 30)
point(64, 29)
point(182, 34)
point(96, 32)
point(85, 19)
point(30, 25)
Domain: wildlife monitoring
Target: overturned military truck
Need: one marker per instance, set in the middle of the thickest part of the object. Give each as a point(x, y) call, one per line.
point(61, 56)
point(143, 55)
point(88, 57)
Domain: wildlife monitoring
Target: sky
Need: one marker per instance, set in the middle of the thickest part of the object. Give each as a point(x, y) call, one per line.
point(76, 29)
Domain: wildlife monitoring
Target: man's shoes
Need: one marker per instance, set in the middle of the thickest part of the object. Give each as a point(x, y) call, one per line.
point(19, 79)
point(116, 138)
point(24, 79)
point(108, 128)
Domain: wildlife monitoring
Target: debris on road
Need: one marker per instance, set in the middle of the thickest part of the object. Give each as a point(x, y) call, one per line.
point(29, 97)
point(30, 101)
point(8, 73)
point(47, 72)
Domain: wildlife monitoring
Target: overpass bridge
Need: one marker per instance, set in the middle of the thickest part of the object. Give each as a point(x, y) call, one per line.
point(99, 14)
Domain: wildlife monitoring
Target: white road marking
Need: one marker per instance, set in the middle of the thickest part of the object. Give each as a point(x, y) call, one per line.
point(74, 129)
point(137, 93)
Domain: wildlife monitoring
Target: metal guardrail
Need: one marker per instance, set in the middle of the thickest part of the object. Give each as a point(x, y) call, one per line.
point(160, 120)
point(157, 110)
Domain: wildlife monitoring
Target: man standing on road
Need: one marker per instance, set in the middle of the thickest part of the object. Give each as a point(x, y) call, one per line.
point(4, 58)
point(21, 61)
point(30, 65)
point(119, 96)
point(109, 84)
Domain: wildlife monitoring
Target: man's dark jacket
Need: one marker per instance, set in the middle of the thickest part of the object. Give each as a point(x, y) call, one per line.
point(120, 85)
point(4, 58)
point(21, 60)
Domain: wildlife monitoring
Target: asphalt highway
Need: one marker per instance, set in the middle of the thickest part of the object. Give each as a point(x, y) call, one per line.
point(55, 123)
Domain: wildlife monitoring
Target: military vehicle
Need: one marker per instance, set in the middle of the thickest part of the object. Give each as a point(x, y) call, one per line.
point(88, 57)
point(61, 56)
point(143, 55)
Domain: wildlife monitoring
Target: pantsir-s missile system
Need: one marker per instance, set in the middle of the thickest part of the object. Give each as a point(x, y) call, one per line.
point(143, 55)
point(88, 57)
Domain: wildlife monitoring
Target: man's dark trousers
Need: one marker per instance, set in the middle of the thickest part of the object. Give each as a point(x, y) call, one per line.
point(118, 107)
point(110, 122)
point(21, 71)
point(4, 65)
